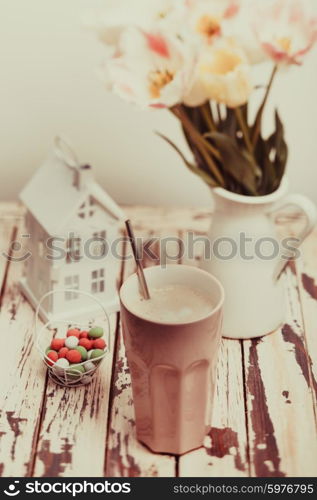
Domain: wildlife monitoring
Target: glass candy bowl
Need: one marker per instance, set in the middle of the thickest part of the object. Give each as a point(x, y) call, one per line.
point(80, 373)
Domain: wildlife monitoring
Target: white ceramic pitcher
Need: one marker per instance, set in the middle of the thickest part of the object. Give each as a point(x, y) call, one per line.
point(250, 271)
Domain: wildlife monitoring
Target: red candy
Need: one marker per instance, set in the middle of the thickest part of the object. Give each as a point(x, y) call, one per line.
point(57, 344)
point(99, 344)
point(83, 335)
point(73, 356)
point(86, 343)
point(62, 352)
point(53, 356)
point(73, 332)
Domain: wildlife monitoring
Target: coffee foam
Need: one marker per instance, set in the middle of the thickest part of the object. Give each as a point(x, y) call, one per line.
point(173, 304)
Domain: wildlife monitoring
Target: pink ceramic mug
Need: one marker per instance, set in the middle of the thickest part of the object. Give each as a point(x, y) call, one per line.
point(173, 366)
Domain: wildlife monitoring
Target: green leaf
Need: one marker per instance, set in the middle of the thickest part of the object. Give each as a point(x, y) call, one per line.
point(281, 147)
point(236, 162)
point(256, 129)
point(262, 155)
point(229, 125)
point(195, 117)
point(277, 150)
point(192, 167)
point(272, 155)
point(245, 113)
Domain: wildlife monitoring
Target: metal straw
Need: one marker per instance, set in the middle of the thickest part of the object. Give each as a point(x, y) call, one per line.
point(139, 268)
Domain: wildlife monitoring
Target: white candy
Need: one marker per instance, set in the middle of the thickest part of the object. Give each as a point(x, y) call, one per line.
point(71, 342)
point(89, 365)
point(60, 365)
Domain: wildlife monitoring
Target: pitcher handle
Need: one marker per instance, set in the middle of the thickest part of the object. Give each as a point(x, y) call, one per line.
point(306, 207)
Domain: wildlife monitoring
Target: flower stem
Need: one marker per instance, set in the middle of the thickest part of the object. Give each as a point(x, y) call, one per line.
point(218, 113)
point(202, 145)
point(208, 118)
point(258, 122)
point(244, 130)
point(194, 132)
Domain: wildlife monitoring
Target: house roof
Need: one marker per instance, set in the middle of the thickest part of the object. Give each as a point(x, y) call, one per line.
point(52, 197)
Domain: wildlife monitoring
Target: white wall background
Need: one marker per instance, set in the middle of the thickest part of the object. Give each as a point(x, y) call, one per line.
point(48, 85)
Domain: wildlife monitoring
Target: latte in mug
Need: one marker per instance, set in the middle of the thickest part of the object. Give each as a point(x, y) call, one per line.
point(172, 343)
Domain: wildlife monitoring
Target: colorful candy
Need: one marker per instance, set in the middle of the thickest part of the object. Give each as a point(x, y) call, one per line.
point(75, 371)
point(71, 342)
point(86, 343)
point(73, 356)
point(73, 332)
point(57, 344)
point(83, 335)
point(53, 356)
point(70, 355)
point(96, 353)
point(89, 366)
point(90, 353)
point(96, 332)
point(62, 352)
point(99, 344)
point(82, 351)
point(61, 364)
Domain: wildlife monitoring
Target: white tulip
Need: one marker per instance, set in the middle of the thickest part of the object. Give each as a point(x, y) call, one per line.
point(151, 69)
point(241, 30)
point(225, 74)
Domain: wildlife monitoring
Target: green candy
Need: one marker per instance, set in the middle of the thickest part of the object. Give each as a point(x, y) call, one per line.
point(96, 353)
point(75, 371)
point(82, 351)
point(96, 332)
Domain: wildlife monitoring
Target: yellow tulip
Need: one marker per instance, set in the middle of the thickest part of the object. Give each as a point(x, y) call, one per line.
point(225, 74)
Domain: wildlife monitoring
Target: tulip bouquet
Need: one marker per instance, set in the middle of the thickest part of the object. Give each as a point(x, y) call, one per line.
point(196, 58)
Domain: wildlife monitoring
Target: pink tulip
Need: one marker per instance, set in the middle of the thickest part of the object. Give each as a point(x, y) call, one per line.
point(286, 30)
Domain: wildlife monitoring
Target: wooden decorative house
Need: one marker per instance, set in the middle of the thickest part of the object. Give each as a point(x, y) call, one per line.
point(74, 228)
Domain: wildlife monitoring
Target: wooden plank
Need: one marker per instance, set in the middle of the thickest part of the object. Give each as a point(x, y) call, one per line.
point(125, 455)
point(169, 219)
point(11, 209)
point(307, 283)
point(22, 380)
point(278, 375)
point(225, 450)
point(282, 433)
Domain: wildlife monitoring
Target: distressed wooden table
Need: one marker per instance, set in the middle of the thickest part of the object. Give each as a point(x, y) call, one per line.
point(264, 420)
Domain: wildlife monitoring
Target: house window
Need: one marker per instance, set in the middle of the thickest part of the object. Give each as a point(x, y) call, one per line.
point(98, 281)
point(87, 209)
point(71, 282)
point(99, 248)
point(73, 250)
